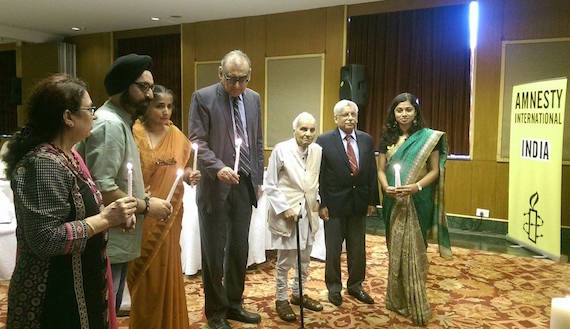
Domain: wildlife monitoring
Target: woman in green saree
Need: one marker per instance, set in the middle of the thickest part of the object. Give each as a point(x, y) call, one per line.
point(413, 205)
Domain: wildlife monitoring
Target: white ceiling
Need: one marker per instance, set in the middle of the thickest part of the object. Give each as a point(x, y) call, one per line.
point(47, 20)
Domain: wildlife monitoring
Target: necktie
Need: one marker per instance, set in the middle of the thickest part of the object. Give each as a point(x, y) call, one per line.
point(244, 164)
point(351, 156)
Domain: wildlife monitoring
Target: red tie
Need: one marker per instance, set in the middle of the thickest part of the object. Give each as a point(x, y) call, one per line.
point(351, 156)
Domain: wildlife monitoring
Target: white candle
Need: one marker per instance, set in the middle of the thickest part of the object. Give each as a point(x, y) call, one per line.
point(560, 313)
point(195, 148)
point(238, 146)
point(397, 180)
point(131, 222)
point(129, 179)
point(179, 174)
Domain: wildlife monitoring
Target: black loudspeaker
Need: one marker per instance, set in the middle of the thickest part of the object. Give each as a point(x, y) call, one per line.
point(353, 84)
point(15, 95)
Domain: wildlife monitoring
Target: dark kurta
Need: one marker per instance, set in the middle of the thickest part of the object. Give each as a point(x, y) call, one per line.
point(60, 276)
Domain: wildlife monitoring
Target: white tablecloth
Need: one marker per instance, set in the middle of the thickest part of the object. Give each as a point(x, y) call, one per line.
point(259, 235)
point(7, 231)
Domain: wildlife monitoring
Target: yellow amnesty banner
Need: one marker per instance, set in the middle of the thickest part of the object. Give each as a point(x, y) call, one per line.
point(535, 165)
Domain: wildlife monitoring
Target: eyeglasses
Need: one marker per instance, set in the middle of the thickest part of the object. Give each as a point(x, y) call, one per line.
point(144, 86)
point(168, 162)
point(233, 80)
point(348, 114)
point(90, 109)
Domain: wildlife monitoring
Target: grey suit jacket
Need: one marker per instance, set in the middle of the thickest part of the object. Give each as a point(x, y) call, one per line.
point(211, 126)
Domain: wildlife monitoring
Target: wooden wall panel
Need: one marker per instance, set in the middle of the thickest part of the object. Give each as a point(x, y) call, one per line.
point(255, 44)
point(334, 60)
point(483, 192)
point(8, 46)
point(531, 19)
point(151, 31)
point(94, 55)
point(295, 33)
point(458, 196)
point(397, 5)
point(487, 83)
point(215, 38)
point(501, 208)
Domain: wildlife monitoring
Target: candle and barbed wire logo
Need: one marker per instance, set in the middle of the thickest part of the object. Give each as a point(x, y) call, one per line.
point(533, 219)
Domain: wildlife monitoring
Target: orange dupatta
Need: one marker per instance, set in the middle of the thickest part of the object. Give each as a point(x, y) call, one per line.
point(155, 279)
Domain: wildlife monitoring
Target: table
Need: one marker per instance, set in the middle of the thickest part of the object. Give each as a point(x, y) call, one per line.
point(7, 231)
point(259, 235)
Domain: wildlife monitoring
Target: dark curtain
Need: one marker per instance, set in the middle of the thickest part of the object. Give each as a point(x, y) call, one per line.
point(9, 92)
point(165, 53)
point(425, 52)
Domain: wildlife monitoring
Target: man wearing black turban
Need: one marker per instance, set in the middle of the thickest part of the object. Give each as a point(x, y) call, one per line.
point(108, 150)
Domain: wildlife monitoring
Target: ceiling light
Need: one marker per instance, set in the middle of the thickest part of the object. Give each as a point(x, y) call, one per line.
point(76, 28)
point(175, 16)
point(155, 19)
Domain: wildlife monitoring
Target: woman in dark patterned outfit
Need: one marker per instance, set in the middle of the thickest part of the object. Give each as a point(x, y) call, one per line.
point(60, 278)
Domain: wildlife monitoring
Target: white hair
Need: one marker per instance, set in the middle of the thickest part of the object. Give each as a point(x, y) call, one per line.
point(233, 55)
point(342, 104)
point(303, 116)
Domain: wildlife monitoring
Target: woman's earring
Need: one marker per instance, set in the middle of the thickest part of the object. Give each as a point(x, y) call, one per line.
point(415, 122)
point(395, 124)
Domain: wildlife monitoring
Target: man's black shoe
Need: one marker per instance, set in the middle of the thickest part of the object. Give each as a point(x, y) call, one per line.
point(335, 298)
point(361, 295)
point(218, 323)
point(241, 315)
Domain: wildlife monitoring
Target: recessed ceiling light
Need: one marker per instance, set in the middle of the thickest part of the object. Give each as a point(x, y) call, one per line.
point(175, 16)
point(155, 19)
point(76, 28)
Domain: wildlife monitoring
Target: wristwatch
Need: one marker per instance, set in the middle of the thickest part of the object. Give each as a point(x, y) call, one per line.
point(419, 186)
point(147, 205)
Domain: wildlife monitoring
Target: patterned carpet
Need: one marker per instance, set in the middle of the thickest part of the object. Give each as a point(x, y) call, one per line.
point(475, 289)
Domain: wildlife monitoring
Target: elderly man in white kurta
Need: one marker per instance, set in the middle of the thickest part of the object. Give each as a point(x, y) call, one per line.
point(291, 187)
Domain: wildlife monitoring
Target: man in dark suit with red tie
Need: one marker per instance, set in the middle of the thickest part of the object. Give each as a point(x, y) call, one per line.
point(349, 192)
point(221, 114)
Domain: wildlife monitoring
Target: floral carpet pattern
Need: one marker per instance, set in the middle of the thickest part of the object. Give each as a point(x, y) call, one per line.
point(475, 289)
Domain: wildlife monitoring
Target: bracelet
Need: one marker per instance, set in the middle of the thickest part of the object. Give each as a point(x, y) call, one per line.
point(147, 205)
point(89, 226)
point(419, 186)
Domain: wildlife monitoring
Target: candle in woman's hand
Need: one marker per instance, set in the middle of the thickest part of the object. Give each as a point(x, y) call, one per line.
point(179, 174)
point(195, 148)
point(238, 146)
point(397, 180)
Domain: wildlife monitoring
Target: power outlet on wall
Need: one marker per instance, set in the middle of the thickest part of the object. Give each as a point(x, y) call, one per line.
point(480, 212)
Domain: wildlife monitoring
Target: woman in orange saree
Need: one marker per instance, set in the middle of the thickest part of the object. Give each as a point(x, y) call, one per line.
point(155, 279)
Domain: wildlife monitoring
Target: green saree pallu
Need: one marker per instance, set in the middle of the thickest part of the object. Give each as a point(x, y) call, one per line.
point(411, 220)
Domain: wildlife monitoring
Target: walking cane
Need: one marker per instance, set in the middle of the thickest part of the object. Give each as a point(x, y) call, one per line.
point(299, 271)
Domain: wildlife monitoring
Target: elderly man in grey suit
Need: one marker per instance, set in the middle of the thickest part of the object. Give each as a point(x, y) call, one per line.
point(220, 115)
